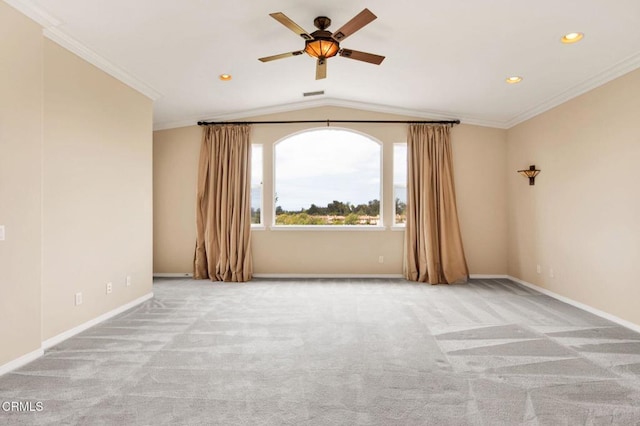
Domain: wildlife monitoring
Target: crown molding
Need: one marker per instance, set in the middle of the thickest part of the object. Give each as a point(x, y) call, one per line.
point(621, 68)
point(74, 46)
point(34, 12)
point(329, 102)
point(51, 31)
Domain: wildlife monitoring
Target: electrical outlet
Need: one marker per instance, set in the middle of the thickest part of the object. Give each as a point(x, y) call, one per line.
point(380, 259)
point(78, 299)
point(538, 269)
point(552, 274)
point(109, 287)
point(1, 232)
point(128, 280)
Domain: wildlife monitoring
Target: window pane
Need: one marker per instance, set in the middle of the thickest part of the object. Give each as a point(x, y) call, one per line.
point(256, 184)
point(400, 183)
point(327, 177)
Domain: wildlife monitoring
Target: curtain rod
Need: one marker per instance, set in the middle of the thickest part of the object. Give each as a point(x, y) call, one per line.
point(451, 122)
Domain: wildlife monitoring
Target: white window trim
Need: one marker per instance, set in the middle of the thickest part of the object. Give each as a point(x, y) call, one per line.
point(328, 228)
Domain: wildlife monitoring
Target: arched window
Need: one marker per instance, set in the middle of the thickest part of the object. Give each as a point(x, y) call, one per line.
point(328, 177)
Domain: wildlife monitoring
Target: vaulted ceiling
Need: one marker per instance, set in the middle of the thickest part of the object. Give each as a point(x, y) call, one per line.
point(444, 59)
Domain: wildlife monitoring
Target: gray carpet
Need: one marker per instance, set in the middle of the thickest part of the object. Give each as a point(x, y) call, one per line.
point(338, 352)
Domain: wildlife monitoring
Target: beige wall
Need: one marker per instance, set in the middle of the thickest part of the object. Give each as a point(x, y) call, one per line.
point(582, 217)
point(20, 174)
point(76, 195)
point(75, 189)
point(175, 168)
point(97, 191)
point(480, 158)
point(482, 200)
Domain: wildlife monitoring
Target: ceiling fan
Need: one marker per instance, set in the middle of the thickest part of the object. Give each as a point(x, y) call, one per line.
point(323, 44)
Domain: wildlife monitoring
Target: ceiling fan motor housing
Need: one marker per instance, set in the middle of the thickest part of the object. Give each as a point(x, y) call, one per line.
point(322, 22)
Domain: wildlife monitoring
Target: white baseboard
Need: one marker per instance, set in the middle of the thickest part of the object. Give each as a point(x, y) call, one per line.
point(172, 275)
point(472, 276)
point(25, 359)
point(284, 275)
point(487, 277)
point(590, 309)
point(389, 276)
point(19, 362)
point(82, 327)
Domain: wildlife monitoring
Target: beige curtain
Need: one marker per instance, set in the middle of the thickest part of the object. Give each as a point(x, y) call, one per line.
point(433, 245)
point(223, 209)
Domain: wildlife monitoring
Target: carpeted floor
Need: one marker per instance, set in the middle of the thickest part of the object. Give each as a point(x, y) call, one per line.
point(337, 352)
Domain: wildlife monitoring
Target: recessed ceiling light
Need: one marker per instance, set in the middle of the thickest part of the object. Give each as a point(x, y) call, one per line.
point(514, 79)
point(225, 77)
point(571, 38)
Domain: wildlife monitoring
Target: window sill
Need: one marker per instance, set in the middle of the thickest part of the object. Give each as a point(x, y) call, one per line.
point(258, 227)
point(327, 228)
point(398, 228)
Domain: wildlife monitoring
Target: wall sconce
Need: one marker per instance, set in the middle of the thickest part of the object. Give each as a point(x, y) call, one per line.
point(531, 173)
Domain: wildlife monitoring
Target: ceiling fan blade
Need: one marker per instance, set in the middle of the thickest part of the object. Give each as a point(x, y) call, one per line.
point(357, 22)
point(284, 20)
point(321, 69)
point(280, 56)
point(362, 56)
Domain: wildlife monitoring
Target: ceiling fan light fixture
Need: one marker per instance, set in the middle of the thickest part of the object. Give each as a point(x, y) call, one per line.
point(322, 48)
point(322, 44)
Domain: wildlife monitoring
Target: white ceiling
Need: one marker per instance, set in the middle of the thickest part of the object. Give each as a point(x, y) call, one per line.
point(444, 59)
